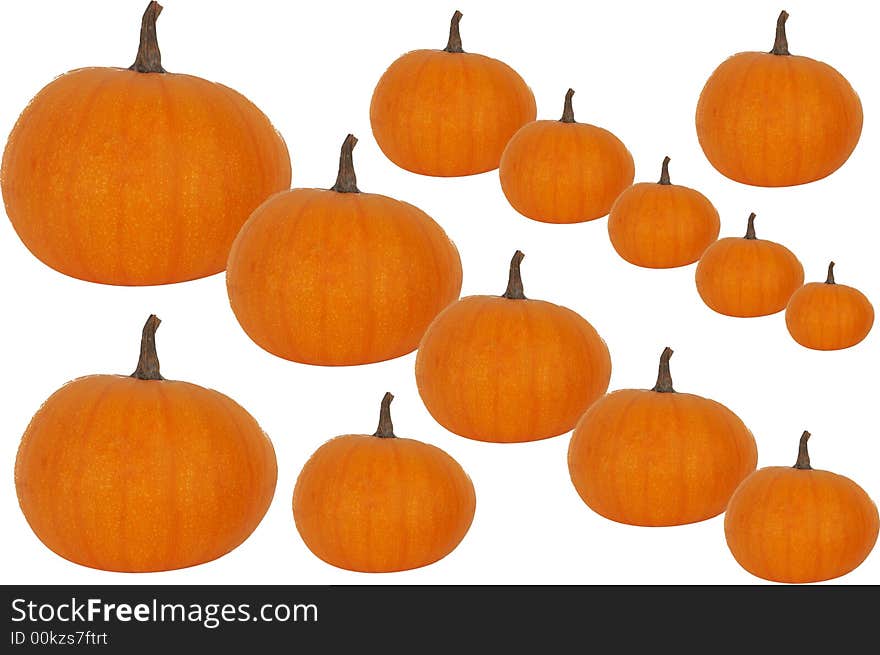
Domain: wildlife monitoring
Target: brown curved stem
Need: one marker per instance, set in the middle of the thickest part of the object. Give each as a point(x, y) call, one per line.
point(149, 59)
point(514, 279)
point(780, 45)
point(750, 230)
point(830, 278)
point(386, 427)
point(346, 180)
point(664, 172)
point(148, 362)
point(567, 109)
point(454, 43)
point(803, 460)
point(664, 376)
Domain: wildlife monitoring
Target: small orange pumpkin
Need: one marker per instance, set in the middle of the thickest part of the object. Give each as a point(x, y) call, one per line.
point(509, 369)
point(748, 276)
point(338, 277)
point(658, 457)
point(798, 524)
point(564, 171)
point(378, 503)
point(448, 112)
point(829, 316)
point(662, 225)
point(777, 119)
point(138, 176)
point(139, 473)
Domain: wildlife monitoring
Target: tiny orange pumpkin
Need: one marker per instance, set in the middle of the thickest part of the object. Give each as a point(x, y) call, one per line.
point(564, 171)
point(747, 276)
point(799, 524)
point(379, 503)
point(829, 316)
point(139, 473)
point(662, 225)
point(658, 457)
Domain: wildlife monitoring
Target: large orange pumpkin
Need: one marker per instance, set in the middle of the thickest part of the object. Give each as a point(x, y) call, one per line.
point(378, 503)
point(828, 316)
point(662, 225)
point(798, 524)
point(564, 171)
point(510, 369)
point(138, 176)
point(448, 112)
point(657, 457)
point(748, 276)
point(777, 119)
point(338, 277)
point(139, 473)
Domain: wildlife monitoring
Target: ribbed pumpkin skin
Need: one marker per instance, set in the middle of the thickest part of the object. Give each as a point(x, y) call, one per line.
point(662, 225)
point(790, 525)
point(500, 370)
point(771, 120)
point(130, 178)
point(558, 172)
point(378, 505)
point(828, 316)
point(748, 277)
point(448, 114)
point(129, 475)
point(334, 279)
point(657, 459)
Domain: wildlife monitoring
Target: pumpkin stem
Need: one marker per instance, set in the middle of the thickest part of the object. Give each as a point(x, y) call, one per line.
point(830, 278)
point(664, 376)
point(664, 172)
point(780, 45)
point(386, 427)
point(803, 460)
point(149, 59)
point(567, 110)
point(750, 230)
point(514, 289)
point(346, 180)
point(148, 362)
point(454, 42)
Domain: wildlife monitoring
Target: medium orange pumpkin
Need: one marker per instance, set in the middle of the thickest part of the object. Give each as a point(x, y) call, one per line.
point(509, 369)
point(777, 119)
point(139, 473)
point(658, 457)
point(378, 503)
point(798, 524)
point(662, 225)
point(748, 276)
point(138, 176)
point(564, 171)
point(338, 277)
point(829, 316)
point(448, 112)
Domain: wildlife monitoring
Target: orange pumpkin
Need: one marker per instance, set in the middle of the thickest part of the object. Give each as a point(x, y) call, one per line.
point(798, 524)
point(777, 119)
point(338, 277)
point(662, 225)
point(509, 369)
point(749, 276)
point(564, 171)
point(139, 473)
point(138, 176)
point(448, 112)
point(829, 316)
point(656, 457)
point(378, 503)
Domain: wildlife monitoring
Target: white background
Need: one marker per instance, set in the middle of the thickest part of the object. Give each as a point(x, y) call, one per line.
point(638, 68)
